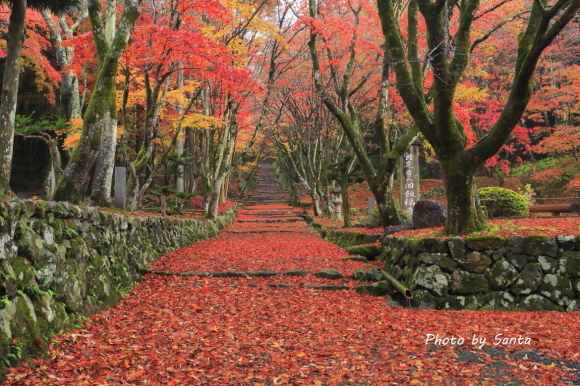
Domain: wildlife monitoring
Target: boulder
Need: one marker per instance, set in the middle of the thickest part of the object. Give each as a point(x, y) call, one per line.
point(530, 279)
point(540, 245)
point(429, 214)
point(460, 303)
point(465, 283)
point(566, 243)
point(517, 260)
point(501, 275)
point(538, 303)
point(558, 289)
point(482, 243)
point(548, 264)
point(433, 279)
point(327, 273)
point(440, 259)
point(457, 248)
point(475, 262)
point(572, 263)
point(499, 300)
point(424, 299)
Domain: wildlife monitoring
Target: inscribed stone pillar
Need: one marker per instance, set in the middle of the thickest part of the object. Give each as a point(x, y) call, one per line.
point(120, 187)
point(409, 177)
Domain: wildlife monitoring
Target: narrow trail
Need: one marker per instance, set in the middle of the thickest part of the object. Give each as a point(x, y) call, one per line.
point(250, 307)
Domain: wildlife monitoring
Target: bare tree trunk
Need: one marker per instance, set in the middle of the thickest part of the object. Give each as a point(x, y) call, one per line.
point(102, 179)
point(102, 107)
point(9, 97)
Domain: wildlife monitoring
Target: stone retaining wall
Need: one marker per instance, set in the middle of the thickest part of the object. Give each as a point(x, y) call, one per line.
point(490, 272)
point(347, 238)
point(60, 263)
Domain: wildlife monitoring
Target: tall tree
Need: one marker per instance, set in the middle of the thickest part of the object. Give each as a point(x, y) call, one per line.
point(8, 98)
point(449, 43)
point(102, 106)
point(348, 88)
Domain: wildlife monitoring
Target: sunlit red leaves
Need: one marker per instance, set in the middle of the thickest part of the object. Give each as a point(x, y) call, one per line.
point(550, 226)
point(178, 331)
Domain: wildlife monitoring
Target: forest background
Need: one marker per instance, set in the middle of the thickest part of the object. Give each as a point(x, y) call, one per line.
point(189, 96)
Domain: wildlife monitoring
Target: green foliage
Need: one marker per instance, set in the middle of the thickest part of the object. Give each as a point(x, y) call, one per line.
point(27, 125)
point(433, 193)
point(13, 356)
point(508, 202)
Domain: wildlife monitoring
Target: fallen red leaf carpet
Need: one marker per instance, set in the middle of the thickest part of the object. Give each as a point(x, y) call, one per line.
point(282, 330)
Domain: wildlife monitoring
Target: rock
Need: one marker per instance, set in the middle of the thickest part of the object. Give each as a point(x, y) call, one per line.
point(576, 287)
point(517, 260)
point(540, 245)
point(429, 214)
point(547, 264)
point(373, 274)
point(379, 288)
point(499, 300)
point(558, 289)
point(423, 299)
point(465, 283)
point(475, 262)
point(538, 303)
point(457, 248)
point(228, 274)
point(566, 243)
point(515, 244)
point(481, 243)
point(460, 303)
point(23, 273)
point(261, 273)
point(406, 224)
point(360, 259)
point(530, 279)
point(501, 275)
point(496, 255)
point(572, 263)
point(296, 273)
point(573, 306)
point(279, 285)
point(369, 251)
point(429, 245)
point(327, 273)
point(440, 259)
point(433, 279)
point(46, 267)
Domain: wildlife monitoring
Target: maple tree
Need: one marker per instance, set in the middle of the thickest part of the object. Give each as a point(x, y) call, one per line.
point(447, 54)
point(102, 105)
point(8, 97)
point(351, 74)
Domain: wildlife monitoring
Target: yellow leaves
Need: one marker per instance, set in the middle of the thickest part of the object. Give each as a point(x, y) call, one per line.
point(471, 94)
point(74, 134)
point(201, 121)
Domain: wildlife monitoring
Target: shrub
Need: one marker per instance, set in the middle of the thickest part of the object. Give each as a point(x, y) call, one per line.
point(508, 202)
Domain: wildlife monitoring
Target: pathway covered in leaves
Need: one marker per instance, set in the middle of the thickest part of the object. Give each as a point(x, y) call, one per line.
point(256, 306)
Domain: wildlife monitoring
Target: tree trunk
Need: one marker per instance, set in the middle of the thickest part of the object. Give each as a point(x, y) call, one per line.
point(214, 199)
point(9, 97)
point(315, 203)
point(102, 106)
point(343, 183)
point(463, 207)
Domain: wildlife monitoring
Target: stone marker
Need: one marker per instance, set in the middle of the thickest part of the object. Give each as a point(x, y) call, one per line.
point(410, 178)
point(120, 187)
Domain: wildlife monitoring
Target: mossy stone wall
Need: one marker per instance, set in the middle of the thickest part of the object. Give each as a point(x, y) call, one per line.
point(60, 263)
point(488, 272)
